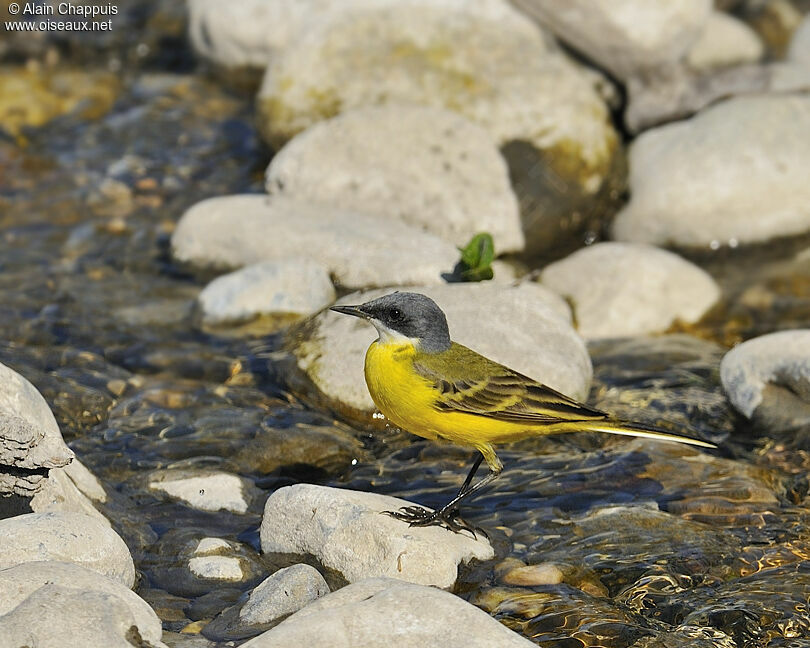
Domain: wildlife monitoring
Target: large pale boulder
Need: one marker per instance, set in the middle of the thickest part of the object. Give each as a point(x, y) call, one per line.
point(346, 531)
point(428, 167)
point(67, 537)
point(626, 37)
point(623, 289)
point(357, 249)
point(735, 173)
point(383, 612)
point(504, 75)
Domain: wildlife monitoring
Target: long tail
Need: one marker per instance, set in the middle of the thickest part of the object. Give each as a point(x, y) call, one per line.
point(640, 430)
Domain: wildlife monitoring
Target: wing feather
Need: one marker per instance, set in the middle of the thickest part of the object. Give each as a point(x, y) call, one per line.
point(492, 390)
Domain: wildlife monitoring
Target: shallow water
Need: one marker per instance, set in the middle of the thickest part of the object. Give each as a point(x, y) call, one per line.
point(96, 315)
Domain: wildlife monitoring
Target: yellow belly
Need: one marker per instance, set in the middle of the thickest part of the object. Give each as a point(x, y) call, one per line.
point(407, 400)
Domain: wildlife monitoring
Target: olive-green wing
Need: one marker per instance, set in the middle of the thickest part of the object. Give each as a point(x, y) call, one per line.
point(468, 382)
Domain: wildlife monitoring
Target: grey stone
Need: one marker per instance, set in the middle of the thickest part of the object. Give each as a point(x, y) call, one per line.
point(206, 490)
point(59, 493)
point(624, 289)
point(626, 37)
point(249, 33)
point(19, 582)
point(779, 359)
point(428, 167)
point(501, 74)
point(745, 162)
point(383, 612)
point(69, 537)
point(799, 49)
point(346, 531)
point(357, 249)
point(526, 327)
point(29, 434)
point(55, 616)
point(284, 592)
point(285, 287)
point(724, 41)
point(677, 92)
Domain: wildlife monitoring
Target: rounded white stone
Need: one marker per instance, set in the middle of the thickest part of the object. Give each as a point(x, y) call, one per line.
point(288, 286)
point(19, 582)
point(526, 327)
point(345, 531)
point(734, 173)
point(212, 491)
point(782, 358)
point(357, 249)
point(211, 546)
point(626, 37)
point(248, 33)
point(284, 592)
point(624, 289)
point(68, 537)
point(428, 167)
point(383, 612)
point(725, 40)
point(225, 568)
point(29, 434)
point(799, 49)
point(505, 76)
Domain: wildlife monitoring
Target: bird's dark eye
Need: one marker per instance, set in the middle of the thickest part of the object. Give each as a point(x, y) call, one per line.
point(395, 314)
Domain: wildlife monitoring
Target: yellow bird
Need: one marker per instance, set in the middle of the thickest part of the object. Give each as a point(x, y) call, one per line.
point(435, 388)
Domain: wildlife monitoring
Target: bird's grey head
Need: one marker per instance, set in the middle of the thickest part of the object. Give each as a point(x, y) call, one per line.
point(404, 315)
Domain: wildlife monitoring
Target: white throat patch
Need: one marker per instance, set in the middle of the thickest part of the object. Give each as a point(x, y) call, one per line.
point(390, 336)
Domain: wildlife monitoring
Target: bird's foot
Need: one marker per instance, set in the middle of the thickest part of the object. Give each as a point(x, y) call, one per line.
point(422, 517)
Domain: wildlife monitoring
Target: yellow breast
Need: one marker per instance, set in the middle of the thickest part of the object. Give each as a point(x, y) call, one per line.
point(402, 395)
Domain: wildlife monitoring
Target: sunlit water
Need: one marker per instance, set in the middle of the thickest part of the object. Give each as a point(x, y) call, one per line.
point(658, 545)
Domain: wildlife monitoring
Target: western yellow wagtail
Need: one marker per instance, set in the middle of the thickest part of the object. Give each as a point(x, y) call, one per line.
point(433, 387)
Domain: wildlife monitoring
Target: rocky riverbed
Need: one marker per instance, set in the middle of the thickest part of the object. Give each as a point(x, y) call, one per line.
point(188, 454)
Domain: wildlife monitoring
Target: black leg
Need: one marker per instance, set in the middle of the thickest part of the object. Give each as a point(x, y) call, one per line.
point(448, 515)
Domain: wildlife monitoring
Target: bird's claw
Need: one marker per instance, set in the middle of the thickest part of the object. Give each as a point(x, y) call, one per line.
point(416, 516)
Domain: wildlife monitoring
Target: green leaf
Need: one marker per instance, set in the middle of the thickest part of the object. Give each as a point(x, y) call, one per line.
point(477, 257)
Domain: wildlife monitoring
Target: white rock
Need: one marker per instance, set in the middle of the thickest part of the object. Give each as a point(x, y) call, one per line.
point(725, 40)
point(382, 612)
point(204, 490)
point(29, 434)
point(526, 327)
point(20, 582)
point(799, 49)
point(286, 591)
point(55, 616)
point(346, 531)
point(249, 33)
point(224, 568)
point(735, 173)
point(781, 358)
point(358, 250)
point(289, 286)
point(60, 493)
point(85, 481)
point(625, 289)
point(626, 37)
point(502, 74)
point(425, 166)
point(209, 546)
point(68, 537)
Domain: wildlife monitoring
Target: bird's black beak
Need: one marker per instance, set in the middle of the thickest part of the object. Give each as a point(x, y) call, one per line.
point(357, 311)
